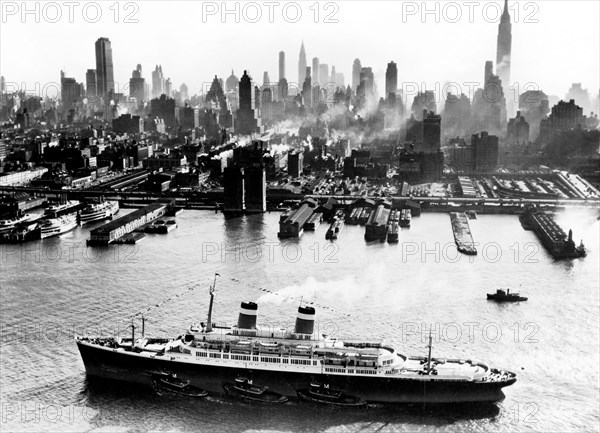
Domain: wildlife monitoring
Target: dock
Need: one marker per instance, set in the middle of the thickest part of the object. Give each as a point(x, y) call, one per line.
point(113, 231)
point(553, 237)
point(462, 233)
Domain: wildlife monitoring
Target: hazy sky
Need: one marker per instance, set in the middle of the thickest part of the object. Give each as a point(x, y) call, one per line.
point(555, 43)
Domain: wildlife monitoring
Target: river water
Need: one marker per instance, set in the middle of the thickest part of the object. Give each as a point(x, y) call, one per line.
point(53, 289)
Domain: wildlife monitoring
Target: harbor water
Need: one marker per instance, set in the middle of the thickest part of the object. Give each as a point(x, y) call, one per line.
point(55, 288)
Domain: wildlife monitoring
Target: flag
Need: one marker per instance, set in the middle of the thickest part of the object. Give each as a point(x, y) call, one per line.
point(217, 274)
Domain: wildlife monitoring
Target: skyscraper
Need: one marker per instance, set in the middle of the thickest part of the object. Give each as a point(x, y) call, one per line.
point(503, 55)
point(315, 71)
point(158, 82)
point(90, 83)
point(137, 85)
point(323, 75)
point(356, 68)
point(183, 92)
point(246, 121)
point(302, 66)
point(168, 88)
point(391, 79)
point(281, 65)
point(105, 81)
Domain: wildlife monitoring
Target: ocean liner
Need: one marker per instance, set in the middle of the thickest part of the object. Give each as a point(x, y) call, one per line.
point(213, 358)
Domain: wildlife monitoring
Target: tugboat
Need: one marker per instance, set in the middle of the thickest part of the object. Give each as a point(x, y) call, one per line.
point(171, 383)
point(502, 296)
point(322, 393)
point(244, 388)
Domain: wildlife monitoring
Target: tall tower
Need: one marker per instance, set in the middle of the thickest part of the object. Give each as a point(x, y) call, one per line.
point(246, 91)
point(302, 66)
point(281, 65)
point(503, 56)
point(90, 83)
point(104, 68)
point(315, 71)
point(356, 68)
point(391, 79)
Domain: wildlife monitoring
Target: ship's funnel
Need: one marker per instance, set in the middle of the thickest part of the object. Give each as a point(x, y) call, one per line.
point(247, 318)
point(305, 321)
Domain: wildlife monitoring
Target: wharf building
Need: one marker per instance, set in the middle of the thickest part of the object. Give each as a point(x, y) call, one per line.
point(292, 226)
point(377, 224)
point(111, 232)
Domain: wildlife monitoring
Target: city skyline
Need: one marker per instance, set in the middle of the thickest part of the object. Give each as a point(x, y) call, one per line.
point(413, 67)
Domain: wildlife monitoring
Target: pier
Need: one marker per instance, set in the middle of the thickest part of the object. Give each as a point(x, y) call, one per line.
point(117, 229)
point(552, 236)
point(462, 233)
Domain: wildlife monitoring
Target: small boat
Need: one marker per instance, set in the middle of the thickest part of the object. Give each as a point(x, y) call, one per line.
point(244, 388)
point(167, 226)
point(322, 393)
point(335, 228)
point(405, 218)
point(171, 383)
point(502, 296)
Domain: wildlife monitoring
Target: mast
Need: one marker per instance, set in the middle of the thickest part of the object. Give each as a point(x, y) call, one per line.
point(132, 334)
point(143, 325)
point(211, 291)
point(429, 355)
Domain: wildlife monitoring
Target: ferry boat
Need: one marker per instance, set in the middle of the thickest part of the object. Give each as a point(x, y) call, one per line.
point(58, 226)
point(98, 211)
point(62, 208)
point(289, 361)
point(7, 225)
point(405, 218)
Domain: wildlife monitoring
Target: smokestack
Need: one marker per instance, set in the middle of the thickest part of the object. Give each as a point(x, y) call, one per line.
point(247, 318)
point(305, 321)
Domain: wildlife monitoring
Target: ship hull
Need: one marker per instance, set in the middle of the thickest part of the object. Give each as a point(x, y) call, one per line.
point(117, 364)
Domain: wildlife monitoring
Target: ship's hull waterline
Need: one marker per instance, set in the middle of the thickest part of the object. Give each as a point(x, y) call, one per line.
point(127, 366)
